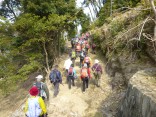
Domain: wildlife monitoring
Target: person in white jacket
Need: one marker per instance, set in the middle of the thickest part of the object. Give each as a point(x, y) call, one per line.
point(67, 64)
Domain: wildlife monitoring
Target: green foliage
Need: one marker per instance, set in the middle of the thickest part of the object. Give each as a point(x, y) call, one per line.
point(29, 68)
point(116, 27)
point(96, 38)
point(84, 21)
point(118, 5)
point(35, 35)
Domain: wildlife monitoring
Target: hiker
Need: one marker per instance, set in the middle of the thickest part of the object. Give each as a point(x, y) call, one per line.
point(71, 76)
point(82, 56)
point(56, 79)
point(87, 47)
point(72, 42)
point(67, 64)
point(35, 106)
point(83, 36)
point(93, 48)
point(42, 87)
point(87, 35)
point(87, 60)
point(85, 76)
point(73, 56)
point(83, 44)
point(97, 71)
point(78, 49)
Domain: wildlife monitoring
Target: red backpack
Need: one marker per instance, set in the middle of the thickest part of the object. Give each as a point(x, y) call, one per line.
point(70, 71)
point(78, 47)
point(84, 73)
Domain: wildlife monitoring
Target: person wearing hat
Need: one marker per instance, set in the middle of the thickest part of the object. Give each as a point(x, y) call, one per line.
point(85, 76)
point(35, 106)
point(97, 71)
point(42, 87)
point(87, 60)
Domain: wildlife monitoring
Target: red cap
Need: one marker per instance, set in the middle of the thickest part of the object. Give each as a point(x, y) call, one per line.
point(34, 91)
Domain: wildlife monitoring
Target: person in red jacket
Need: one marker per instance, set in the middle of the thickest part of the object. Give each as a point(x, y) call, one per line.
point(85, 76)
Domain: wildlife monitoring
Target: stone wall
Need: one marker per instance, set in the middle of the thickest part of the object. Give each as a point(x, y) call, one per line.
point(140, 98)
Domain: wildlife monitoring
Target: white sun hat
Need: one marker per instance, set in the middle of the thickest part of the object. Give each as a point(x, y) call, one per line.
point(39, 77)
point(96, 61)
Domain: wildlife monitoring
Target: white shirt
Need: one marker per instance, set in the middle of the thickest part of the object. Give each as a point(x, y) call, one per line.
point(67, 64)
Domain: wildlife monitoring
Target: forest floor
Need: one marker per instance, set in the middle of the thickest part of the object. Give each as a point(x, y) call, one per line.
point(95, 102)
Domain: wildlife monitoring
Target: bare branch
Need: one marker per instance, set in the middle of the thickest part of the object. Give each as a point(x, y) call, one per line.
point(153, 7)
point(143, 27)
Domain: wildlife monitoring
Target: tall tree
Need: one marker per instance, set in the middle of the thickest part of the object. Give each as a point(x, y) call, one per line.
point(34, 38)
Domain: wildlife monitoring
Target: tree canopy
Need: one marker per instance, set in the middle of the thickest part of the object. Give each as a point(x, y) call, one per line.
point(34, 37)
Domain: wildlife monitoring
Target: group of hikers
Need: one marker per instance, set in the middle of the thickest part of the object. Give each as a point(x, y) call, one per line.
point(80, 47)
point(35, 104)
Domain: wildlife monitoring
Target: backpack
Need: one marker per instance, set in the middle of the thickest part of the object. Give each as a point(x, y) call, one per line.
point(41, 93)
point(78, 47)
point(34, 109)
point(73, 55)
point(87, 60)
point(82, 55)
point(70, 72)
point(84, 73)
point(53, 76)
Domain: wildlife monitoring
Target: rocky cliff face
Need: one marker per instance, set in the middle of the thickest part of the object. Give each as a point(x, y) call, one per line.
point(140, 98)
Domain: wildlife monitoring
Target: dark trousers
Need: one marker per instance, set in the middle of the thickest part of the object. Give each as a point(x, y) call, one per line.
point(87, 50)
point(56, 88)
point(85, 83)
point(81, 62)
point(41, 116)
point(71, 81)
point(72, 44)
point(73, 61)
point(93, 50)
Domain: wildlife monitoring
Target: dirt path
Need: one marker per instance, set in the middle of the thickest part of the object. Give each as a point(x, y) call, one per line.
point(74, 103)
point(95, 102)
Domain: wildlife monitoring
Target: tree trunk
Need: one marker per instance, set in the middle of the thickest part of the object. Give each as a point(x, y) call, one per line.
point(154, 10)
point(58, 37)
point(111, 5)
point(46, 55)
